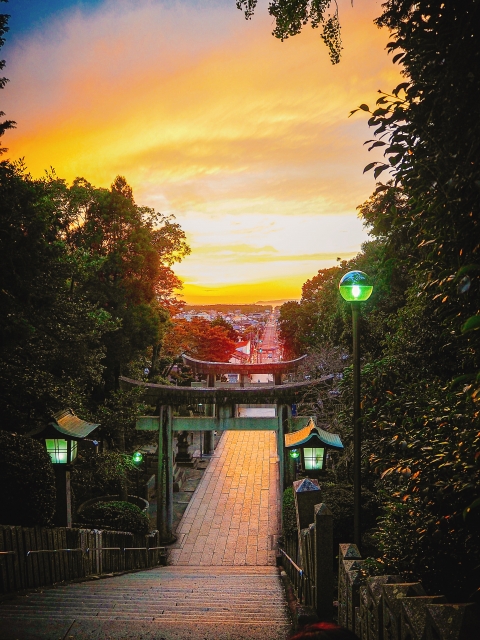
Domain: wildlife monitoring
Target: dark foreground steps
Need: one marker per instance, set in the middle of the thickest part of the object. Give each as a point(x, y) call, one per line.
point(165, 603)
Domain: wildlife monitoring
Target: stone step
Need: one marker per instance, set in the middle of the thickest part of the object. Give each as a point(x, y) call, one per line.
point(210, 602)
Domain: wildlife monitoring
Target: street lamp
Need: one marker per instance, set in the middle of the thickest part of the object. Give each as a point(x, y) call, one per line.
point(355, 287)
point(61, 437)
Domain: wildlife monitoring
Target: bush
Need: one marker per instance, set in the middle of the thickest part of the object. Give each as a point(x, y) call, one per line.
point(339, 499)
point(27, 482)
point(288, 513)
point(117, 515)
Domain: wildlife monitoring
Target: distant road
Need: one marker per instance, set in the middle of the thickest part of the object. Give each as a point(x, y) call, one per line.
point(269, 348)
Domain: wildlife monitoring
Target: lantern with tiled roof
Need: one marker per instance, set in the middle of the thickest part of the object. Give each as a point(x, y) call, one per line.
point(61, 437)
point(310, 445)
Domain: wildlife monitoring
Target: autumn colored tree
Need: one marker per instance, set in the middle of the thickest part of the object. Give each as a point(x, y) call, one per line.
point(133, 249)
point(200, 339)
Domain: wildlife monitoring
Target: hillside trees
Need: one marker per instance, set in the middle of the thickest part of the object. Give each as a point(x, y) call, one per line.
point(420, 383)
point(6, 124)
point(133, 248)
point(200, 339)
point(51, 348)
point(85, 281)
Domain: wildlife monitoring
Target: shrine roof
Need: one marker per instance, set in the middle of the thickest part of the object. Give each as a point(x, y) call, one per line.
point(313, 436)
point(66, 423)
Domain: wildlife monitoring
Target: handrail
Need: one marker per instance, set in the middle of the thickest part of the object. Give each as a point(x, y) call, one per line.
point(55, 550)
point(301, 573)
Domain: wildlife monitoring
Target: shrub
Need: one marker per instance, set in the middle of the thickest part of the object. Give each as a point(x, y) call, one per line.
point(27, 482)
point(339, 499)
point(117, 515)
point(288, 513)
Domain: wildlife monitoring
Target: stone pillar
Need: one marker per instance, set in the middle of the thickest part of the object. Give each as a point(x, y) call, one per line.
point(208, 444)
point(165, 477)
point(281, 447)
point(323, 561)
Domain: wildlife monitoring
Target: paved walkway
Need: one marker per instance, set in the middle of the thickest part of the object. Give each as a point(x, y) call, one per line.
point(232, 519)
point(234, 516)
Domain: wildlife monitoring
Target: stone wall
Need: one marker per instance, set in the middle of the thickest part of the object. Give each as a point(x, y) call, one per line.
point(375, 608)
point(388, 608)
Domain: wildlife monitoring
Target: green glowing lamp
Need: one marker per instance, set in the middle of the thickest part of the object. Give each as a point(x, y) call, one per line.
point(355, 286)
point(61, 451)
point(137, 458)
point(294, 453)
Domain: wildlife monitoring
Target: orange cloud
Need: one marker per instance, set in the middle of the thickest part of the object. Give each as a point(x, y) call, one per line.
point(209, 117)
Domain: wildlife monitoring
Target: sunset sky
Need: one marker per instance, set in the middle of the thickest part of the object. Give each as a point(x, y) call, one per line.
point(245, 139)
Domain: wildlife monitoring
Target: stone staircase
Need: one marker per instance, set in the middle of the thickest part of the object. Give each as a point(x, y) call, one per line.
point(169, 603)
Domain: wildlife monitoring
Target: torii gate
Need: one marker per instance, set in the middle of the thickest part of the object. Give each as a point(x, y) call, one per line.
point(224, 400)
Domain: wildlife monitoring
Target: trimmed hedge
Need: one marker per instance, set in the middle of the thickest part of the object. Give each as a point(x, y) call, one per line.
point(289, 517)
point(117, 515)
point(27, 482)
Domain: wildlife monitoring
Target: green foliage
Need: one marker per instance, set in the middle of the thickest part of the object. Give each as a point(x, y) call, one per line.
point(339, 499)
point(290, 17)
point(51, 349)
point(85, 290)
point(6, 124)
point(117, 416)
point(419, 330)
point(289, 517)
point(117, 515)
point(27, 482)
point(94, 475)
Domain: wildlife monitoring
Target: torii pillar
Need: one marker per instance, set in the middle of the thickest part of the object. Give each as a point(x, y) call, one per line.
point(209, 411)
point(165, 476)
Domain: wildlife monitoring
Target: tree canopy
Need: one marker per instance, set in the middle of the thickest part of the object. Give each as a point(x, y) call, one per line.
point(420, 328)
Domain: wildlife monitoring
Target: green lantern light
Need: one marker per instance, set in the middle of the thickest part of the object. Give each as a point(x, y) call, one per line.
point(355, 286)
point(294, 453)
point(61, 451)
point(137, 458)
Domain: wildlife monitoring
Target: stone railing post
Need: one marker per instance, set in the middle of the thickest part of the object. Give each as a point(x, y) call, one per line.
point(323, 561)
point(348, 555)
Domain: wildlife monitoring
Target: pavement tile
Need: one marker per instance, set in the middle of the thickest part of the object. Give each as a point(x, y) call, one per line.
point(235, 507)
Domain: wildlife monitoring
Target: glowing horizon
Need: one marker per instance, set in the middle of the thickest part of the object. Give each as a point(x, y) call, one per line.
point(245, 139)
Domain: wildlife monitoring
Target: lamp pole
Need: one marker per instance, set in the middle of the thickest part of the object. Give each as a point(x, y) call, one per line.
point(357, 429)
point(355, 287)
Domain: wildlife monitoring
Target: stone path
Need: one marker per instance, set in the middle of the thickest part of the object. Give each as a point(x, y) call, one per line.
point(222, 584)
point(166, 603)
point(233, 518)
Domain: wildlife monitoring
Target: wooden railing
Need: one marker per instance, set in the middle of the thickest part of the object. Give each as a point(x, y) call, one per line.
point(36, 557)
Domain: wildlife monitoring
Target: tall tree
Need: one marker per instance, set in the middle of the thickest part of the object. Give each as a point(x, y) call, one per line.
point(6, 124)
point(51, 348)
point(133, 248)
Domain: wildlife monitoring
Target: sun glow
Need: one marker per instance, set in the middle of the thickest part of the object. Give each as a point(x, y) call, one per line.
point(244, 138)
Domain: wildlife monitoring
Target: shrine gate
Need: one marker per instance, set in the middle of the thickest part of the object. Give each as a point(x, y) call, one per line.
point(221, 401)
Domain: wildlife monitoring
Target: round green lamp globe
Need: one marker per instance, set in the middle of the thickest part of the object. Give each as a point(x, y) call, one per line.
point(355, 286)
point(137, 458)
point(294, 453)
